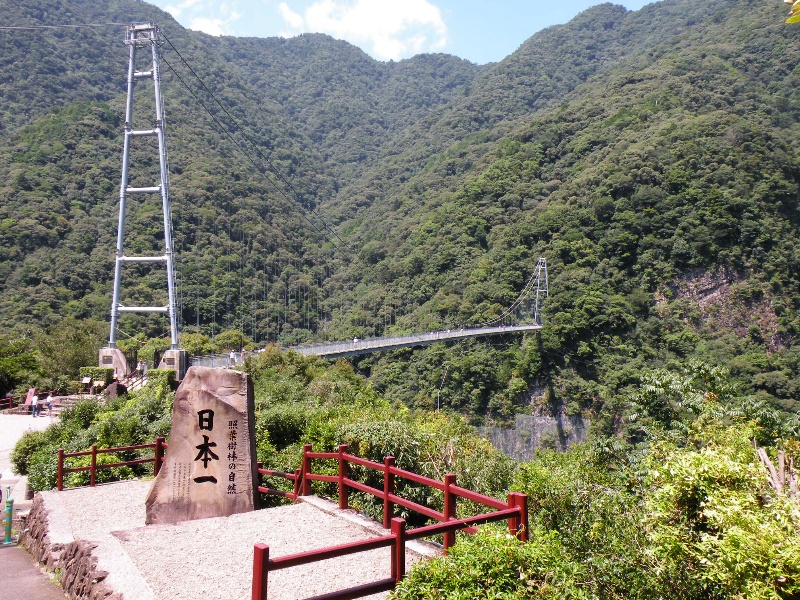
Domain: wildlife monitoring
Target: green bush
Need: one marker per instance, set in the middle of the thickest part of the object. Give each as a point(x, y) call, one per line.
point(492, 564)
point(43, 467)
point(26, 447)
point(81, 414)
point(714, 527)
point(162, 377)
point(83, 478)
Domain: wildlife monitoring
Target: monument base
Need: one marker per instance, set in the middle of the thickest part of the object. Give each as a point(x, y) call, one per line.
point(114, 358)
point(177, 360)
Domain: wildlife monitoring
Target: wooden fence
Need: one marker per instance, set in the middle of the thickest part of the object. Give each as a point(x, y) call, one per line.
point(515, 511)
point(159, 446)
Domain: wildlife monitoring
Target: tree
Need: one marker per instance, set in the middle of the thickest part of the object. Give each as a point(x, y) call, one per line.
point(18, 362)
point(69, 345)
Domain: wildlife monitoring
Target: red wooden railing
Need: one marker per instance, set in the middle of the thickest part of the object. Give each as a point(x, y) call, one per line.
point(515, 511)
point(294, 477)
point(11, 401)
point(159, 446)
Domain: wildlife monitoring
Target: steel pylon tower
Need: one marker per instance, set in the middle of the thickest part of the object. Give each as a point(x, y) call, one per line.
point(144, 36)
point(541, 290)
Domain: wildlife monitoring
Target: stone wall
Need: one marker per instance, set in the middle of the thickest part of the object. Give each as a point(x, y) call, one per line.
point(79, 576)
point(529, 433)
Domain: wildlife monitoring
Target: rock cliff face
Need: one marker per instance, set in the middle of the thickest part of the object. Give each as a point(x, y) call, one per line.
point(80, 577)
point(532, 432)
point(722, 300)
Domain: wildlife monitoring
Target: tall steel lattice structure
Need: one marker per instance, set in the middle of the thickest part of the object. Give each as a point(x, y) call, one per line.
point(541, 290)
point(146, 36)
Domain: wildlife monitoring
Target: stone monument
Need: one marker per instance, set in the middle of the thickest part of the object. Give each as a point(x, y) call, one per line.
point(210, 468)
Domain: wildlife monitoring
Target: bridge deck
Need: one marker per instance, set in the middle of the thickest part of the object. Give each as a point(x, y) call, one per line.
point(357, 346)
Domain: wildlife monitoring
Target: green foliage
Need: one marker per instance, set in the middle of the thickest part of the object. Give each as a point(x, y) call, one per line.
point(658, 182)
point(67, 347)
point(102, 475)
point(162, 377)
point(587, 501)
point(196, 344)
point(232, 340)
point(496, 565)
point(129, 420)
point(28, 444)
point(18, 362)
point(715, 529)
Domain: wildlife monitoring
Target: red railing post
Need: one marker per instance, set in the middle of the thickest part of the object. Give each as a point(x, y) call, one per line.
point(449, 509)
point(60, 475)
point(388, 488)
point(159, 455)
point(94, 465)
point(399, 549)
point(306, 467)
point(342, 474)
point(518, 526)
point(260, 571)
point(296, 486)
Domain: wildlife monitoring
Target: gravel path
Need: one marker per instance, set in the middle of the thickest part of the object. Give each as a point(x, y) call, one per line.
point(212, 558)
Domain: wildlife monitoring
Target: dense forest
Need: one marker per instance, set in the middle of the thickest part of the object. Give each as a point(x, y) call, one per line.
point(647, 155)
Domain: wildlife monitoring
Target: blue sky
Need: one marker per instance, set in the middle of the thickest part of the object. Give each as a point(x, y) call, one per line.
point(479, 31)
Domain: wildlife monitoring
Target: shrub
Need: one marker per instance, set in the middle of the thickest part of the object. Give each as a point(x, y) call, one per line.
point(496, 565)
point(43, 467)
point(26, 447)
point(83, 478)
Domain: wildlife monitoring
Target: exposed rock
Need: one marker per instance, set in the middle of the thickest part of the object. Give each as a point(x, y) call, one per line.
point(80, 577)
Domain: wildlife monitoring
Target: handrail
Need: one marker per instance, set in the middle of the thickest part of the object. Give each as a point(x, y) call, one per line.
point(515, 512)
point(294, 477)
point(396, 540)
point(159, 446)
point(517, 525)
point(9, 402)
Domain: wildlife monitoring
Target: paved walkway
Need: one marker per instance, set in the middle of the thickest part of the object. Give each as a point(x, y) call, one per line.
point(212, 558)
point(20, 576)
point(21, 579)
point(12, 427)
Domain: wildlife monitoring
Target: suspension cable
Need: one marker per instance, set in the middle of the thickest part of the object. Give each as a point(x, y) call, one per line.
point(79, 26)
point(258, 151)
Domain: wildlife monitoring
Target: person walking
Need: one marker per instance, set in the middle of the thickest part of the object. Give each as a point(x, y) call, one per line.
point(49, 402)
point(35, 406)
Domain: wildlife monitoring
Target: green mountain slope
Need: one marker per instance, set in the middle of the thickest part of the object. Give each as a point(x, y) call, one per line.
point(648, 155)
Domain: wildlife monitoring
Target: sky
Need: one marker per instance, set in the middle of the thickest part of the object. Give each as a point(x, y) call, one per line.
point(477, 30)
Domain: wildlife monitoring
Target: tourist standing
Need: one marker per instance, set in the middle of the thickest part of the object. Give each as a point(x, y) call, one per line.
point(35, 406)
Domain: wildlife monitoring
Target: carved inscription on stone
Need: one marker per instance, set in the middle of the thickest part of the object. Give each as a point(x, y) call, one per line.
point(210, 467)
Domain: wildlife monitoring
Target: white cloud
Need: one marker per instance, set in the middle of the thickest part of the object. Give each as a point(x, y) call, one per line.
point(176, 10)
point(208, 16)
point(209, 25)
point(387, 29)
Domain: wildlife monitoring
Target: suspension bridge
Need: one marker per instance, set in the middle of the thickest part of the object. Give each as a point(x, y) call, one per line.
point(524, 314)
point(529, 302)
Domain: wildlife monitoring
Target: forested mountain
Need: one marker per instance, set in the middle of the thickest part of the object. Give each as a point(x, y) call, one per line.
point(648, 155)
